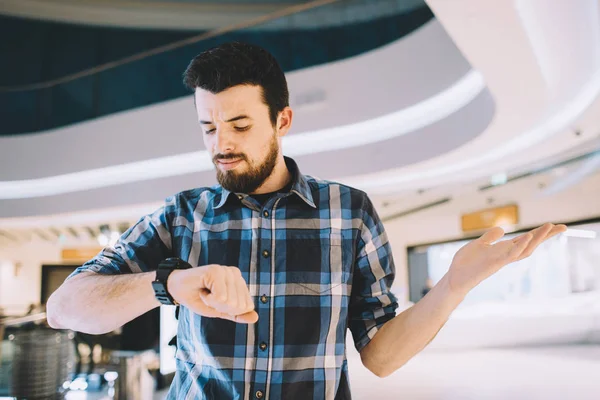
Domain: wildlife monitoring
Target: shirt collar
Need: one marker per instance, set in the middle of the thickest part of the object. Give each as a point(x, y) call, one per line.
point(300, 186)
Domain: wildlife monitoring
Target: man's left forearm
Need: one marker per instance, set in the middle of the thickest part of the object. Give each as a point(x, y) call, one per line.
point(409, 332)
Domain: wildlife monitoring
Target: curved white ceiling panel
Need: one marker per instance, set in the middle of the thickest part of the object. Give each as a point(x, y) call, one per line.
point(428, 141)
point(347, 137)
point(393, 78)
point(502, 153)
point(541, 62)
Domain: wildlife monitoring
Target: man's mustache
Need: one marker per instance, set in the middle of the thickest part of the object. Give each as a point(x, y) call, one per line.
point(229, 157)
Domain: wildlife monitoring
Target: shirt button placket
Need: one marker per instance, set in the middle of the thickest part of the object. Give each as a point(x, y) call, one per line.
point(264, 299)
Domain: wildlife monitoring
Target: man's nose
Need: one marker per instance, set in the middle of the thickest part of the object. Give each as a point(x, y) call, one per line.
point(224, 143)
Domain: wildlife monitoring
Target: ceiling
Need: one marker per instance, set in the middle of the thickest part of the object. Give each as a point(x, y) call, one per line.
point(410, 108)
point(541, 96)
point(205, 15)
point(539, 63)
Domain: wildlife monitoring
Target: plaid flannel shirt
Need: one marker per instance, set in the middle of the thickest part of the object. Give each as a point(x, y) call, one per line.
point(317, 262)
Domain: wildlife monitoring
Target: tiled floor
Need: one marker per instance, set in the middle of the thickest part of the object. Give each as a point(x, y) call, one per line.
point(548, 373)
point(553, 373)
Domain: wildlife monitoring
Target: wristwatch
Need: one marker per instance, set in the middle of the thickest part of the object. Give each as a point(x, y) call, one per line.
point(163, 271)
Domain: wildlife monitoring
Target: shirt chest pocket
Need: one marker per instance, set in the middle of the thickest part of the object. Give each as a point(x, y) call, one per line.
point(230, 252)
point(315, 265)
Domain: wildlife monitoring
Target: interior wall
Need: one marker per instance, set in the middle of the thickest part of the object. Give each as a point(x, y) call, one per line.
point(551, 322)
point(21, 274)
point(442, 223)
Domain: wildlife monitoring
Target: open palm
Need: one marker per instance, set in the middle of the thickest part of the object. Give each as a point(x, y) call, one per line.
point(481, 258)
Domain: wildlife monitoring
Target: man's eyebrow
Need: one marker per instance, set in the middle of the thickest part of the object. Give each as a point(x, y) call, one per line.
point(229, 120)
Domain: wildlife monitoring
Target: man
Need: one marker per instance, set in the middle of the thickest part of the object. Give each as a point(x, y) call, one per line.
point(283, 263)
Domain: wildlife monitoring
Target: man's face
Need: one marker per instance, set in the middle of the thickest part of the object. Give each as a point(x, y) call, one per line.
point(238, 133)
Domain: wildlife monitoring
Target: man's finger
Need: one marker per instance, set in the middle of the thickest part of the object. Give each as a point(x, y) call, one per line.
point(218, 289)
point(492, 235)
point(247, 318)
point(535, 232)
point(557, 230)
point(539, 235)
point(213, 300)
point(209, 312)
point(543, 235)
point(232, 289)
point(519, 246)
point(244, 301)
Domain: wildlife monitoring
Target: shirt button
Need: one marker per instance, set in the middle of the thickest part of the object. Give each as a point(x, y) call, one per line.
point(265, 253)
point(263, 346)
point(266, 213)
point(264, 299)
point(259, 394)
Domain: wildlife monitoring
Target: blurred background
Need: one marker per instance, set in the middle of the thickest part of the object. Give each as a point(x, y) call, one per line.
point(454, 116)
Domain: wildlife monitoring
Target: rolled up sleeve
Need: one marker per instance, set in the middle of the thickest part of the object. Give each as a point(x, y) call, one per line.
point(372, 303)
point(140, 249)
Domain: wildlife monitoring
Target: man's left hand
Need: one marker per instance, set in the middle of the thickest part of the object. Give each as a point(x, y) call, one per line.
point(481, 258)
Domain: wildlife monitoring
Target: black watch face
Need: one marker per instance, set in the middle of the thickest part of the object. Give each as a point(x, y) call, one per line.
point(174, 263)
point(183, 265)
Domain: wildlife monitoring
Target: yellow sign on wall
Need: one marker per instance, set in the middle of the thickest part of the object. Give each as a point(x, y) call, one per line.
point(80, 254)
point(486, 219)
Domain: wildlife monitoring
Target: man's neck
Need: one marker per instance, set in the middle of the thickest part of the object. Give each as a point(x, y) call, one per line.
point(280, 177)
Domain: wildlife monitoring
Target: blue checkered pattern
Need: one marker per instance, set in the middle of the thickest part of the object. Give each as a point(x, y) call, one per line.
point(317, 262)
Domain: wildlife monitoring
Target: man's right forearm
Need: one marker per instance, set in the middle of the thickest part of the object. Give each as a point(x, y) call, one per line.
point(96, 304)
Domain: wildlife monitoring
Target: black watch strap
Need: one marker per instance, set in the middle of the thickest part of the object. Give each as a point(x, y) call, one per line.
point(165, 268)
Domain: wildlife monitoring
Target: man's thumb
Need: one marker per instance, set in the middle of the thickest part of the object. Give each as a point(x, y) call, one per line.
point(247, 318)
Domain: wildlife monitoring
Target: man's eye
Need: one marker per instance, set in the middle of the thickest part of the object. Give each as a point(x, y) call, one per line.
point(210, 131)
point(242, 128)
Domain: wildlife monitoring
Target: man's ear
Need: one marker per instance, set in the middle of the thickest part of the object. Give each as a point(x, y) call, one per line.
point(284, 121)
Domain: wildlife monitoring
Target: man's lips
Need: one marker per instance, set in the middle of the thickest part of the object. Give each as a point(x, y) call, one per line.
point(229, 164)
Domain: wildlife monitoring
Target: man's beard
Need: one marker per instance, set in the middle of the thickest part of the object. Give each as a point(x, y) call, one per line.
point(250, 180)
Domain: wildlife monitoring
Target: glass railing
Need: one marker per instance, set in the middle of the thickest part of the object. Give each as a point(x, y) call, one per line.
point(6, 356)
point(35, 361)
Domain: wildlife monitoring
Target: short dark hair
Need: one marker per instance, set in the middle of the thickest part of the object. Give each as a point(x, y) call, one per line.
point(234, 63)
